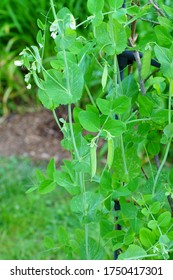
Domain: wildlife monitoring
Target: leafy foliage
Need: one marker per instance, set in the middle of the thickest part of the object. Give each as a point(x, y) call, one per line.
point(131, 119)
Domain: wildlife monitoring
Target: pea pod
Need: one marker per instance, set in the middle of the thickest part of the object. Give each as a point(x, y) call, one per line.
point(93, 158)
point(110, 154)
point(146, 62)
point(105, 75)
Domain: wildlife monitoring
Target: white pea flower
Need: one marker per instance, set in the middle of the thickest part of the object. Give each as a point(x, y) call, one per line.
point(18, 62)
point(27, 77)
point(54, 26)
point(53, 35)
point(34, 67)
point(72, 22)
point(28, 86)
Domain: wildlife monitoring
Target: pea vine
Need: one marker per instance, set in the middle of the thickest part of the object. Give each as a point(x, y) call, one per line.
point(117, 83)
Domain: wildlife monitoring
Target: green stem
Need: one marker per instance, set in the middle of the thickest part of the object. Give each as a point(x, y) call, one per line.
point(81, 175)
point(90, 96)
point(169, 143)
point(115, 71)
point(56, 119)
point(138, 120)
point(72, 133)
point(53, 9)
point(83, 191)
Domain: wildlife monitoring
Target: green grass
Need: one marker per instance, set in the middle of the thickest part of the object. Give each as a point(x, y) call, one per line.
point(26, 219)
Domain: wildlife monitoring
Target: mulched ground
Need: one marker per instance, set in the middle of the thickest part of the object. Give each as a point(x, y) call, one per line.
point(31, 134)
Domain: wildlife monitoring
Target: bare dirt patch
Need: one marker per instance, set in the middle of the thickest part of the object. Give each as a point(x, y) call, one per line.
point(32, 134)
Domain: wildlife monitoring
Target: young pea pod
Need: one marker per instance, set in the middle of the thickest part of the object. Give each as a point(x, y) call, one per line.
point(110, 154)
point(93, 158)
point(146, 62)
point(105, 75)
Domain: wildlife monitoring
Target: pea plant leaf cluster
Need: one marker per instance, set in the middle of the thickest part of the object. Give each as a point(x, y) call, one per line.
point(118, 128)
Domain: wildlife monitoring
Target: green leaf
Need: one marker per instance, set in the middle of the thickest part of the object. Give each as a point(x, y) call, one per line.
point(62, 235)
point(40, 24)
point(129, 237)
point(115, 127)
point(152, 224)
point(95, 250)
point(164, 56)
point(165, 22)
point(40, 39)
point(171, 176)
point(169, 11)
point(121, 104)
point(46, 187)
point(40, 175)
point(105, 227)
point(116, 4)
point(105, 183)
point(155, 207)
point(132, 163)
point(104, 106)
point(50, 169)
point(145, 212)
point(134, 252)
point(130, 87)
point(128, 209)
point(64, 180)
point(32, 189)
point(145, 105)
point(62, 88)
point(159, 116)
point(49, 243)
point(89, 121)
point(121, 191)
point(163, 36)
point(147, 237)
point(164, 219)
point(164, 240)
point(168, 130)
point(153, 148)
point(102, 36)
point(92, 201)
point(118, 35)
point(95, 6)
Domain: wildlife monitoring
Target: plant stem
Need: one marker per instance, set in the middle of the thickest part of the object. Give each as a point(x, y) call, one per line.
point(56, 119)
point(72, 133)
point(138, 120)
point(53, 9)
point(170, 140)
point(161, 166)
point(81, 175)
point(141, 81)
point(90, 96)
point(156, 7)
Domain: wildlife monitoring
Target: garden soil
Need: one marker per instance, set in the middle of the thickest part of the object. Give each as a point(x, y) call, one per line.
point(34, 135)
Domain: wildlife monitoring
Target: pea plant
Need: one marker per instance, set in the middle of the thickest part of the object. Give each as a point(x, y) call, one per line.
point(118, 128)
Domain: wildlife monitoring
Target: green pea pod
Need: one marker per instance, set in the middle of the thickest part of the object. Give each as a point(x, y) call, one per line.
point(110, 154)
point(105, 76)
point(93, 158)
point(146, 62)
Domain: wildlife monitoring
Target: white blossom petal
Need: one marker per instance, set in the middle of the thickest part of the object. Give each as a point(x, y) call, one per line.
point(53, 35)
point(18, 62)
point(28, 86)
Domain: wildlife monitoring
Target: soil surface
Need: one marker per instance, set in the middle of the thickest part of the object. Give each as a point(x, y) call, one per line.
point(32, 134)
